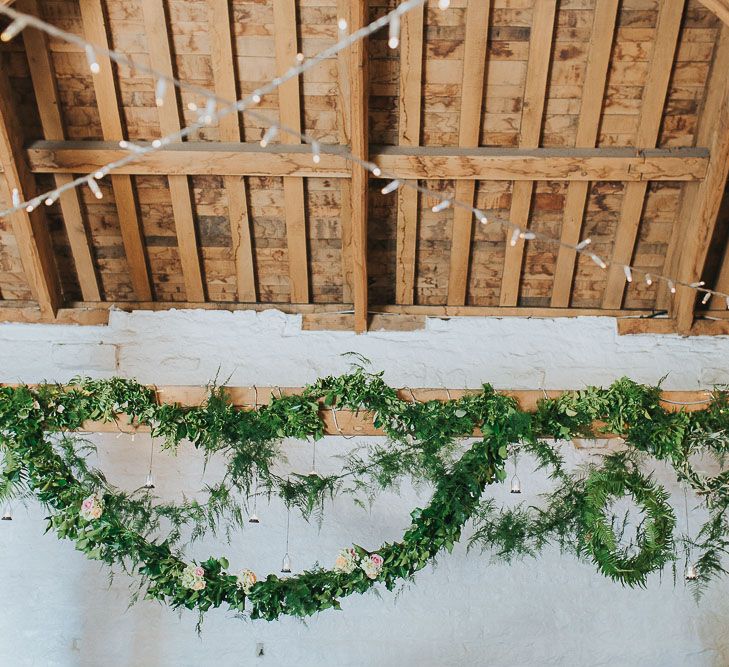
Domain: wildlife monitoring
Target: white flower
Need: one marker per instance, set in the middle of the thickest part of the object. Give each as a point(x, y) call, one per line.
point(372, 565)
point(346, 561)
point(245, 580)
point(193, 577)
point(92, 507)
point(60, 408)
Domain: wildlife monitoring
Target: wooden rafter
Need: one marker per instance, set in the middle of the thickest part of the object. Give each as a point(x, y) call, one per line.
point(107, 96)
point(654, 98)
point(410, 100)
point(709, 195)
point(474, 67)
point(160, 59)
point(359, 194)
point(30, 229)
point(540, 49)
point(223, 65)
point(719, 7)
point(704, 134)
point(289, 104)
point(482, 164)
point(589, 122)
point(344, 129)
point(46, 93)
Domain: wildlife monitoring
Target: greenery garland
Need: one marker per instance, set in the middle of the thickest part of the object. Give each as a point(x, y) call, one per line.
point(124, 529)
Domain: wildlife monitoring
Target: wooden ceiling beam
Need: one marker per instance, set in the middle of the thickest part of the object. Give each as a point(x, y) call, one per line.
point(359, 95)
point(474, 68)
point(702, 218)
point(46, 93)
point(223, 66)
point(410, 101)
point(344, 129)
point(289, 105)
point(598, 59)
point(535, 92)
point(477, 164)
point(160, 59)
point(704, 135)
point(719, 7)
point(30, 229)
point(107, 100)
point(651, 115)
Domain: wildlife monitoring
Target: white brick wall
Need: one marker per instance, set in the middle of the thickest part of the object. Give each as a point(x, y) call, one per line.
point(57, 610)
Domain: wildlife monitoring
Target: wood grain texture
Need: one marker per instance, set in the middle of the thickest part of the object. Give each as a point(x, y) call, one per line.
point(540, 49)
point(360, 145)
point(472, 94)
point(407, 163)
point(284, 23)
point(223, 63)
point(46, 94)
point(410, 106)
point(107, 100)
point(654, 98)
point(30, 229)
point(709, 195)
point(160, 59)
point(593, 94)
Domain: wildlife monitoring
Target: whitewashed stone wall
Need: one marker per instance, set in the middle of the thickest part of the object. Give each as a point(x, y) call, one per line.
point(58, 610)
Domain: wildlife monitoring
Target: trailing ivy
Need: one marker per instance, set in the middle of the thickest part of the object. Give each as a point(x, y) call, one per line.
point(424, 440)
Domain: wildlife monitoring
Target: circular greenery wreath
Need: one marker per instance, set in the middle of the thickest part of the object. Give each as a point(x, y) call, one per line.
point(423, 438)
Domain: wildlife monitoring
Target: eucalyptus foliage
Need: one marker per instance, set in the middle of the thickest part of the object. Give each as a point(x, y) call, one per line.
point(425, 441)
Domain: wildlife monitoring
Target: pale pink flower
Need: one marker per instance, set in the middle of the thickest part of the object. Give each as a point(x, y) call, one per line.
point(199, 572)
point(377, 560)
point(198, 585)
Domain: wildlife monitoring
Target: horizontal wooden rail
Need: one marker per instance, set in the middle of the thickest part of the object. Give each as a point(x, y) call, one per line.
point(491, 164)
point(348, 422)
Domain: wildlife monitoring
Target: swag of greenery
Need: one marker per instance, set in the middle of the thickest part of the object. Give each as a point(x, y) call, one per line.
point(425, 440)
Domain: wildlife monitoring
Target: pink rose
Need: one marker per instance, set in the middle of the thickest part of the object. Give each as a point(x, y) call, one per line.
point(199, 572)
point(88, 504)
point(377, 560)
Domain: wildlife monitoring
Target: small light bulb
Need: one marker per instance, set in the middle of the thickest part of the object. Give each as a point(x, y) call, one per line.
point(706, 298)
point(156, 143)
point(256, 97)
point(671, 287)
point(598, 260)
point(271, 132)
point(191, 106)
point(159, 92)
point(210, 108)
point(628, 274)
point(99, 174)
point(30, 207)
point(376, 171)
point(648, 279)
point(51, 199)
point(442, 206)
point(13, 29)
point(391, 187)
point(700, 283)
point(315, 152)
point(727, 303)
point(528, 236)
point(342, 24)
point(94, 187)
point(394, 38)
point(444, 4)
point(583, 244)
point(299, 57)
point(16, 197)
point(515, 237)
point(91, 57)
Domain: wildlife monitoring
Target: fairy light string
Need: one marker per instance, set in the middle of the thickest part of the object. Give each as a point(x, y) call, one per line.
point(217, 108)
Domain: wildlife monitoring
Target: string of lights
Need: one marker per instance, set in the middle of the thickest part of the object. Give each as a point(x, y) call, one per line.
point(216, 108)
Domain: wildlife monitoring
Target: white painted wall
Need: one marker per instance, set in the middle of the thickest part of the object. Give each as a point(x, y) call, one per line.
point(57, 609)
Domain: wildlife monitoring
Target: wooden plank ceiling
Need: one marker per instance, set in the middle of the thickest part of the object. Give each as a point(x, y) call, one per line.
point(573, 118)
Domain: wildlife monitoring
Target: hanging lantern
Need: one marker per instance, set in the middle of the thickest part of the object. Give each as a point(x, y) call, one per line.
point(149, 483)
point(515, 485)
point(692, 574)
point(286, 564)
point(7, 513)
point(254, 519)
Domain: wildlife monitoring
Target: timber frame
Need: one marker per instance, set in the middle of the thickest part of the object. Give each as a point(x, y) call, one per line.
point(599, 121)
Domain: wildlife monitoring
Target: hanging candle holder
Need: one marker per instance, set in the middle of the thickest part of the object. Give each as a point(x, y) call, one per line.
point(149, 483)
point(692, 573)
point(7, 513)
point(253, 518)
point(515, 481)
point(286, 563)
point(313, 472)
